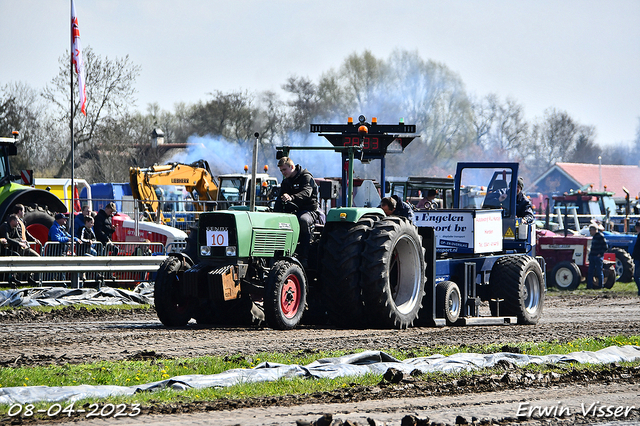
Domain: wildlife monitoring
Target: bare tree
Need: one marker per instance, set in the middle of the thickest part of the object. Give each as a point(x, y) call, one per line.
point(230, 115)
point(586, 150)
point(484, 113)
point(110, 93)
point(553, 139)
point(21, 110)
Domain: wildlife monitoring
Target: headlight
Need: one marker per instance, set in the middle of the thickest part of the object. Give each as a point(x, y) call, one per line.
point(231, 250)
point(205, 250)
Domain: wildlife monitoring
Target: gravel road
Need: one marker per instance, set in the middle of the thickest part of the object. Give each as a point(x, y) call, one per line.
point(72, 336)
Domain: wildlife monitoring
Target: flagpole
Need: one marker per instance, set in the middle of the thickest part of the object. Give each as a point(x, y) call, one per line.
point(71, 215)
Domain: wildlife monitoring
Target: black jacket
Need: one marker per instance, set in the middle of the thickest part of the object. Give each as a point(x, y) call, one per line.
point(12, 236)
point(403, 209)
point(636, 250)
point(103, 227)
point(523, 208)
point(87, 234)
point(303, 190)
point(598, 245)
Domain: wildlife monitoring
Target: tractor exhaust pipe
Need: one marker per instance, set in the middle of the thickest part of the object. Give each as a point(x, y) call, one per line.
point(254, 172)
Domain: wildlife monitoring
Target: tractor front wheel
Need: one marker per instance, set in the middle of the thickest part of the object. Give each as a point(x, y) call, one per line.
point(285, 295)
point(173, 309)
point(566, 276)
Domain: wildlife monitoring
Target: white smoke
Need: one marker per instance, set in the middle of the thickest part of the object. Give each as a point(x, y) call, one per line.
point(223, 156)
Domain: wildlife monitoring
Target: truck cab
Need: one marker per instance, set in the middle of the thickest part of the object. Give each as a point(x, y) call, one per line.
point(235, 188)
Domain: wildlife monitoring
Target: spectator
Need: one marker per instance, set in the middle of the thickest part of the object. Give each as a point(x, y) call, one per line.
point(395, 206)
point(596, 257)
point(104, 228)
point(58, 231)
point(25, 235)
point(87, 236)
point(429, 202)
point(78, 220)
point(9, 231)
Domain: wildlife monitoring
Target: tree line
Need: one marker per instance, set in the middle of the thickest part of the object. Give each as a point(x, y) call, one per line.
point(453, 125)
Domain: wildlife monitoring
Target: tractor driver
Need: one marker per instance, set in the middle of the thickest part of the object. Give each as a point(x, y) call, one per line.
point(299, 195)
point(523, 204)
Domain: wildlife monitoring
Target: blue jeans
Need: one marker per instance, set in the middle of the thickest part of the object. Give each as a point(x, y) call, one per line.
point(636, 274)
point(595, 268)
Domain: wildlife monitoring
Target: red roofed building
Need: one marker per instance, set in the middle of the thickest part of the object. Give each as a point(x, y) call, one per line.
point(563, 177)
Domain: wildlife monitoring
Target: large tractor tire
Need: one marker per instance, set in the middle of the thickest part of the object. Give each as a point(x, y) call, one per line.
point(33, 213)
point(448, 301)
point(565, 276)
point(285, 295)
point(172, 308)
point(341, 252)
point(241, 311)
point(393, 273)
point(624, 265)
point(517, 289)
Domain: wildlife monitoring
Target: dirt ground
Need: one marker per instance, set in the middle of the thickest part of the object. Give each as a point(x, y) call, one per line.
point(72, 336)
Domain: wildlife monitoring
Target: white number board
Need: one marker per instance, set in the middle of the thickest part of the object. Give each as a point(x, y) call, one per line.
point(217, 238)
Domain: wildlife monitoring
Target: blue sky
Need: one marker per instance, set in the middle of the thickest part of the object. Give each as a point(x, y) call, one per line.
point(579, 56)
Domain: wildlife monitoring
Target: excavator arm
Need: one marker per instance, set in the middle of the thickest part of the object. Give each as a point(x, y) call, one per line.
point(195, 177)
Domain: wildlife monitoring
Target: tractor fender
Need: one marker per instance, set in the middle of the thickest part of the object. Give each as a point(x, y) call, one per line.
point(183, 257)
point(26, 196)
point(290, 259)
point(353, 214)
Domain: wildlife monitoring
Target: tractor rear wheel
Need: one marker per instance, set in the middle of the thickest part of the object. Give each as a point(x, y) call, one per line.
point(517, 288)
point(624, 264)
point(565, 275)
point(448, 301)
point(393, 273)
point(173, 309)
point(341, 246)
point(285, 295)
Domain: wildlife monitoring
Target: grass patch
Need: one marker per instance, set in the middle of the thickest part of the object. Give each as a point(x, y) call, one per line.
point(624, 289)
point(128, 373)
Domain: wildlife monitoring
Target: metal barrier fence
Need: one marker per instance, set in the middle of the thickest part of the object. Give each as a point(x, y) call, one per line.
point(48, 275)
point(73, 267)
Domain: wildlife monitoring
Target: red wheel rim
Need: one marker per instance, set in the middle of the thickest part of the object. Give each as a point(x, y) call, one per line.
point(290, 296)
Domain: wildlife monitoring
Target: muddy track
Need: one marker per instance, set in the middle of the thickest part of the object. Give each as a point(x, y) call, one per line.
point(72, 336)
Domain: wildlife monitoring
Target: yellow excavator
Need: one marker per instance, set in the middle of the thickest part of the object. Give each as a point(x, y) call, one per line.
point(195, 177)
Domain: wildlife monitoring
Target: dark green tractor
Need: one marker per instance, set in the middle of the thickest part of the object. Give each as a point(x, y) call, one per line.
point(365, 269)
point(40, 205)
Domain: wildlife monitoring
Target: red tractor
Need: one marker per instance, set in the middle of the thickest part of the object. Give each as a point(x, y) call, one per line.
point(566, 258)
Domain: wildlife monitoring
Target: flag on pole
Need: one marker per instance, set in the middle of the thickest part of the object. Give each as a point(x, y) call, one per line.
point(77, 58)
point(76, 199)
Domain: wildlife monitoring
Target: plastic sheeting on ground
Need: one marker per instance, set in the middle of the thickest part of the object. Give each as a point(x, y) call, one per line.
point(358, 364)
point(56, 296)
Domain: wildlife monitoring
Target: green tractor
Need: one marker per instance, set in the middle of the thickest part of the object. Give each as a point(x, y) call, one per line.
point(40, 205)
point(364, 270)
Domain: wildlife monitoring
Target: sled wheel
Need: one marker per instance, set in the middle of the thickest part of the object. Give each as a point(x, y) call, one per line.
point(393, 271)
point(565, 276)
point(173, 309)
point(517, 285)
point(285, 295)
point(448, 301)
